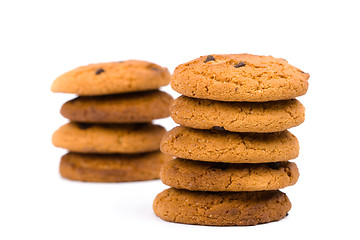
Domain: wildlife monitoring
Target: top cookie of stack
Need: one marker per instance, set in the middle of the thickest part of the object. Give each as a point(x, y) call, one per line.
point(112, 78)
point(240, 78)
point(110, 136)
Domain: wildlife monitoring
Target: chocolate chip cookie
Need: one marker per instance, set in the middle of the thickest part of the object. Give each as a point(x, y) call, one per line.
point(108, 138)
point(209, 176)
point(120, 108)
point(112, 78)
point(221, 208)
point(112, 167)
point(231, 147)
point(239, 77)
point(237, 116)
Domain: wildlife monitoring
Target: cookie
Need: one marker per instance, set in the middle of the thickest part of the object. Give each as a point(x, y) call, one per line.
point(112, 78)
point(237, 116)
point(239, 77)
point(108, 138)
point(231, 147)
point(112, 167)
point(120, 108)
point(222, 208)
point(207, 176)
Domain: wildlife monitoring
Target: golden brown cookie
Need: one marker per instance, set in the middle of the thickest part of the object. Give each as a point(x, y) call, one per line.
point(112, 78)
point(239, 77)
point(231, 147)
point(112, 167)
point(206, 176)
point(221, 208)
point(108, 138)
point(237, 116)
point(120, 108)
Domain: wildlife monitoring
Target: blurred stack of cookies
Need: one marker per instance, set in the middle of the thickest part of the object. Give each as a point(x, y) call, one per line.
point(233, 147)
point(110, 136)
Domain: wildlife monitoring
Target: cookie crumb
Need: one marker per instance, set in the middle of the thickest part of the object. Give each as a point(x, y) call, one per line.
point(209, 58)
point(99, 71)
point(240, 64)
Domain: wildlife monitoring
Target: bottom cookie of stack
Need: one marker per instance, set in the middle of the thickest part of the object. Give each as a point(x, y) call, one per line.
point(221, 208)
point(112, 167)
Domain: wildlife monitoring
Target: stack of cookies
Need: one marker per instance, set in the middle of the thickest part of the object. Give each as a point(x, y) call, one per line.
point(233, 147)
point(110, 135)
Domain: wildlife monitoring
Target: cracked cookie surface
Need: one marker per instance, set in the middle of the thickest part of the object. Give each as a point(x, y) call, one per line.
point(222, 208)
point(108, 138)
point(225, 146)
point(112, 78)
point(112, 167)
point(239, 77)
point(119, 108)
point(258, 117)
point(206, 176)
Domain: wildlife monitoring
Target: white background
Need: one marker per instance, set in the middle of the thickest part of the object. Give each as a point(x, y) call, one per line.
point(40, 40)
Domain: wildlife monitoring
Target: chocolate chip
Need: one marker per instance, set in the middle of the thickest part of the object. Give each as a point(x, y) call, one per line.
point(219, 128)
point(222, 166)
point(240, 64)
point(99, 71)
point(274, 165)
point(156, 69)
point(287, 214)
point(209, 58)
point(84, 126)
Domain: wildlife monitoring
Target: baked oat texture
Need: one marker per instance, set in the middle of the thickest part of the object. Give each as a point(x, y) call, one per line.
point(206, 176)
point(112, 167)
point(239, 77)
point(112, 78)
point(119, 108)
point(221, 209)
point(231, 147)
point(237, 116)
point(108, 138)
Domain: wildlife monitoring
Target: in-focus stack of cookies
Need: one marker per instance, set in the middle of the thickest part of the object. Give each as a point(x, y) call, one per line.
point(110, 135)
point(233, 147)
